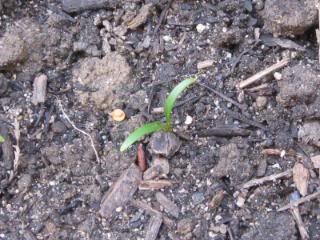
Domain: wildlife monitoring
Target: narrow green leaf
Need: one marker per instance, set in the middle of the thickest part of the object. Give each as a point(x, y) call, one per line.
point(172, 98)
point(144, 130)
point(2, 139)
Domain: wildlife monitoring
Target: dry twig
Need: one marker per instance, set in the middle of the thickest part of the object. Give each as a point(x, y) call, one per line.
point(263, 73)
point(273, 177)
point(16, 160)
point(78, 129)
point(318, 30)
point(301, 200)
point(141, 158)
point(297, 217)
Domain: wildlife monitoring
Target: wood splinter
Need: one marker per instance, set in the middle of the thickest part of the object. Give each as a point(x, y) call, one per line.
point(258, 181)
point(263, 73)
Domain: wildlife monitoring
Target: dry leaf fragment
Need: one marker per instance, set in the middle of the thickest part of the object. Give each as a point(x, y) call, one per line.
point(301, 178)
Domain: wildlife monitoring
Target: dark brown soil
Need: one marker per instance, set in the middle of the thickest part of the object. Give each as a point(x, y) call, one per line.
point(129, 55)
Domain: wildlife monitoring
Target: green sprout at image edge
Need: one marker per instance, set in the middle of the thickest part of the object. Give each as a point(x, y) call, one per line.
point(2, 139)
point(152, 127)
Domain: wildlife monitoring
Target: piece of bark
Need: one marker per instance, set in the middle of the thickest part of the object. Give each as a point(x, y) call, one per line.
point(72, 6)
point(39, 89)
point(141, 158)
point(205, 64)
point(121, 192)
point(153, 227)
point(224, 132)
point(301, 178)
point(169, 206)
point(154, 184)
point(141, 18)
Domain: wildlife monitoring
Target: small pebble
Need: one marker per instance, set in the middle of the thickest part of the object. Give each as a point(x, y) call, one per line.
point(277, 76)
point(240, 201)
point(261, 102)
point(197, 198)
point(188, 120)
point(200, 28)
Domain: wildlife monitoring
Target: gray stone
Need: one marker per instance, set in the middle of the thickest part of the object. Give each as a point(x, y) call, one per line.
point(164, 143)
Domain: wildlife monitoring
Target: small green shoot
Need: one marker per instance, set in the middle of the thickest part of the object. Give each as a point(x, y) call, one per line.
point(172, 98)
point(2, 139)
point(152, 127)
point(144, 130)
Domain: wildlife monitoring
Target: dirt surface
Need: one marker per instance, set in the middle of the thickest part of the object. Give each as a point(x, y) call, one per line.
point(62, 175)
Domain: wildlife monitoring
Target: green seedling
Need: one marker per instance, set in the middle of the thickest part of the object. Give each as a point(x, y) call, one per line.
point(152, 127)
point(2, 139)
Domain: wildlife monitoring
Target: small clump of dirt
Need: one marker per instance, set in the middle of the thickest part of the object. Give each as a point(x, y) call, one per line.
point(289, 17)
point(103, 79)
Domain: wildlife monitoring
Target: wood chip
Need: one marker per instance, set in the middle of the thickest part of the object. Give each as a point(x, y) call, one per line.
point(154, 184)
point(39, 89)
point(169, 206)
point(301, 177)
point(121, 192)
point(205, 64)
point(316, 161)
point(141, 18)
point(153, 227)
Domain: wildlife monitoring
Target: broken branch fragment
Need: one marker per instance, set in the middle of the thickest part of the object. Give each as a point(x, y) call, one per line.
point(255, 182)
point(169, 206)
point(301, 200)
point(154, 184)
point(122, 191)
point(263, 73)
point(39, 89)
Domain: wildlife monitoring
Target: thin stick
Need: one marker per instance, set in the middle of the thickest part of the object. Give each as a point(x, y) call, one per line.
point(298, 202)
point(263, 73)
point(223, 96)
point(302, 230)
point(273, 177)
point(318, 30)
point(144, 206)
point(78, 129)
